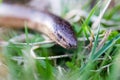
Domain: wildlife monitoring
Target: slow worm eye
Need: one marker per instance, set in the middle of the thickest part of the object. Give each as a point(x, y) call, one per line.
point(60, 37)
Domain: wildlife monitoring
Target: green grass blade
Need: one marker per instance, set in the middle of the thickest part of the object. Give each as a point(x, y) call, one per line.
point(84, 25)
point(111, 13)
point(26, 33)
point(95, 43)
point(105, 47)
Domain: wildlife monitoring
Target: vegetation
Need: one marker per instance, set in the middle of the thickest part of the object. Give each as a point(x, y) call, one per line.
point(97, 56)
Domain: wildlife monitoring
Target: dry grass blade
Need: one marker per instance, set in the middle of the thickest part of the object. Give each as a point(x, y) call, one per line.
point(102, 42)
point(97, 22)
point(33, 54)
point(19, 40)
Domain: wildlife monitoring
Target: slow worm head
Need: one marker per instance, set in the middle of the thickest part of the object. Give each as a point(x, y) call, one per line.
point(54, 27)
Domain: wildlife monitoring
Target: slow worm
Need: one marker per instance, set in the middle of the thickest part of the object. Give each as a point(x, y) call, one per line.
point(56, 28)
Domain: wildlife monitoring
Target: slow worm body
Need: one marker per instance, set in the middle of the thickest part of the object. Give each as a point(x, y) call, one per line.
point(56, 28)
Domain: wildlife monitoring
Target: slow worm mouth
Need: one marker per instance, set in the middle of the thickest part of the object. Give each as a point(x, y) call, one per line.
point(64, 41)
point(68, 45)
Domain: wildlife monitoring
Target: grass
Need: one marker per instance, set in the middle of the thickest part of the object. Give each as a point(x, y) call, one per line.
point(86, 62)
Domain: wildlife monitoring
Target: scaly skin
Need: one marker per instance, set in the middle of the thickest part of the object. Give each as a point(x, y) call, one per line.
point(56, 28)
